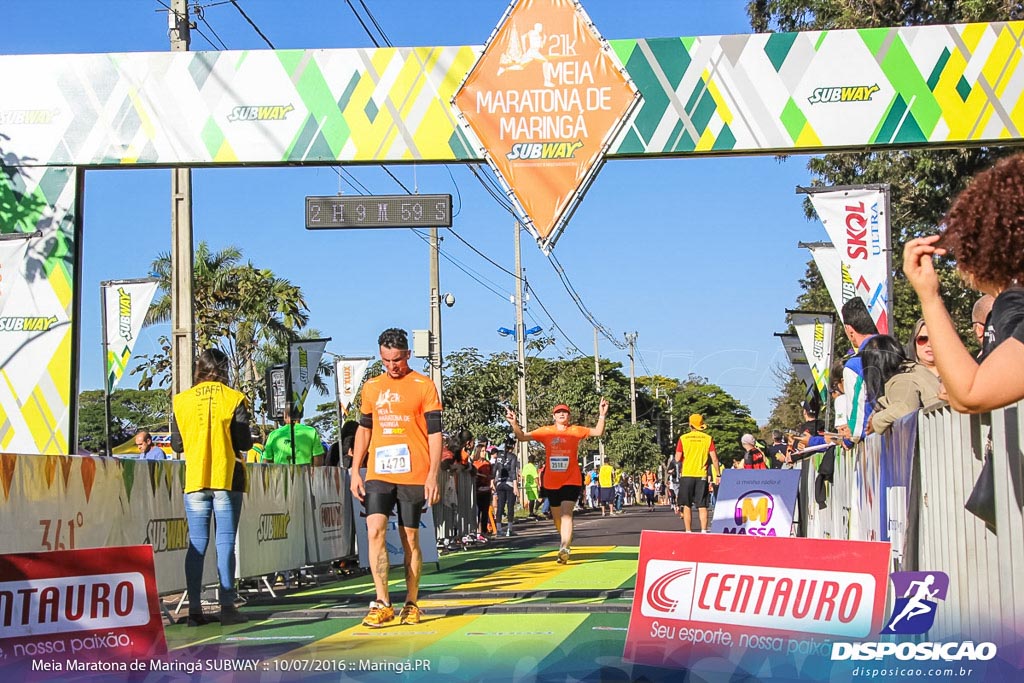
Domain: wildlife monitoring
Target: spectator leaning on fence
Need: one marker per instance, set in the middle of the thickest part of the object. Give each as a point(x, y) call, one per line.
point(984, 231)
point(896, 386)
point(859, 327)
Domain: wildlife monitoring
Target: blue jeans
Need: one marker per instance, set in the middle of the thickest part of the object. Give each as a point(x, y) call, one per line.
point(200, 506)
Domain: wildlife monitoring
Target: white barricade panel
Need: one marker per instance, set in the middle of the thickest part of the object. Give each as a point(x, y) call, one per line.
point(329, 537)
point(59, 502)
point(272, 529)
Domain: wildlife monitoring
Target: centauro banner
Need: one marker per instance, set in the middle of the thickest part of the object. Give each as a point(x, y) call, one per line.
point(303, 362)
point(125, 303)
point(815, 333)
point(857, 220)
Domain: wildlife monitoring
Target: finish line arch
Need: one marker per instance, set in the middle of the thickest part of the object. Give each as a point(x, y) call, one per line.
point(822, 91)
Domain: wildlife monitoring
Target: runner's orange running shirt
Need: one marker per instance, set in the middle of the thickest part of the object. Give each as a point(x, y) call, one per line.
point(561, 449)
point(399, 453)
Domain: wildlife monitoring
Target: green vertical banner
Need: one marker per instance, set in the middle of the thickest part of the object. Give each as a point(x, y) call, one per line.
point(303, 363)
point(815, 332)
point(125, 303)
point(37, 295)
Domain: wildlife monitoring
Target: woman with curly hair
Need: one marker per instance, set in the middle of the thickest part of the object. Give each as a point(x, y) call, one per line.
point(895, 385)
point(984, 231)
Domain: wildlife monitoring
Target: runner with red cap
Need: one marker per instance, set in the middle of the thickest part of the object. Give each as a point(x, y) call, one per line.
point(562, 477)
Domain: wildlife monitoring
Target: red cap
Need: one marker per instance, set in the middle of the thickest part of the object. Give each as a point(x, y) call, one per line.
point(560, 406)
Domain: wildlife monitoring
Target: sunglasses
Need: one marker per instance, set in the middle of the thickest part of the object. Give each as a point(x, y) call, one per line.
point(922, 340)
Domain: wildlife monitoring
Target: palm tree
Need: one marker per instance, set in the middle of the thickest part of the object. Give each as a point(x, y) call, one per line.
point(238, 308)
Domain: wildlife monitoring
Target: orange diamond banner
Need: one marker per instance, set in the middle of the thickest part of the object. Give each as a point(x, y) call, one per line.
point(546, 98)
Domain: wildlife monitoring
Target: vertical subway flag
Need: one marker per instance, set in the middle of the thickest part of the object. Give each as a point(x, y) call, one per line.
point(815, 332)
point(798, 359)
point(857, 221)
point(303, 362)
point(349, 373)
point(835, 275)
point(125, 303)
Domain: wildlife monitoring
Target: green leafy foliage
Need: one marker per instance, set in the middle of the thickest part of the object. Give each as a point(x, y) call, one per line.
point(922, 183)
point(130, 411)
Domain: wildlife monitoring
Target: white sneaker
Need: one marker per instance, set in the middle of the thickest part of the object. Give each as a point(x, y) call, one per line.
point(563, 555)
point(508, 532)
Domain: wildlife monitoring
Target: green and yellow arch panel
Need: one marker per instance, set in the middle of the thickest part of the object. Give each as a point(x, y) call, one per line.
point(741, 94)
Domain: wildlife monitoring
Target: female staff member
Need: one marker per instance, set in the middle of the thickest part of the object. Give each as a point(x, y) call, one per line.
point(562, 476)
point(983, 231)
point(210, 426)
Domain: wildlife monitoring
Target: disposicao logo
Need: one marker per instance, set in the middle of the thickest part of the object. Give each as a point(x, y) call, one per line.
point(844, 93)
point(914, 612)
point(275, 112)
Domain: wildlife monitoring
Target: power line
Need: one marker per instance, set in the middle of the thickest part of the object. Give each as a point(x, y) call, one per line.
point(252, 23)
point(482, 255)
point(387, 41)
point(578, 300)
point(361, 23)
point(552, 318)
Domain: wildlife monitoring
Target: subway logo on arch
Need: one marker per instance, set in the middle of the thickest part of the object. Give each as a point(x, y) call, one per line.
point(843, 93)
point(543, 150)
point(807, 600)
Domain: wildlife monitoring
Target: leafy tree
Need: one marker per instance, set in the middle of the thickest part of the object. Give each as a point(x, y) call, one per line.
point(922, 183)
point(633, 448)
point(246, 311)
point(727, 419)
point(130, 410)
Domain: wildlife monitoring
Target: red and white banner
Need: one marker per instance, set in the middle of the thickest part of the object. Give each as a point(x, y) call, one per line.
point(701, 596)
point(856, 219)
point(85, 605)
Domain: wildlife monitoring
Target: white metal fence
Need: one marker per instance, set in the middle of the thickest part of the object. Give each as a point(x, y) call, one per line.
point(909, 487)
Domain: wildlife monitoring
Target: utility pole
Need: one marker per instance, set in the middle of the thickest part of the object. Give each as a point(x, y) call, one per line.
point(182, 323)
point(435, 312)
point(597, 384)
point(631, 340)
point(520, 346)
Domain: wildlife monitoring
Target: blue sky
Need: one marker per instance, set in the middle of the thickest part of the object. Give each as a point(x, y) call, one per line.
point(699, 256)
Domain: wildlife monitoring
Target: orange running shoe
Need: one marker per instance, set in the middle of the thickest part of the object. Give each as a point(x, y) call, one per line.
point(410, 614)
point(379, 615)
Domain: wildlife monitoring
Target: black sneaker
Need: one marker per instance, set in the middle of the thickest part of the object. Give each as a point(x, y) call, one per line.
point(230, 616)
point(201, 619)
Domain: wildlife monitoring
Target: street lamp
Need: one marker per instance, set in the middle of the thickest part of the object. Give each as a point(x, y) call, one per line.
point(505, 332)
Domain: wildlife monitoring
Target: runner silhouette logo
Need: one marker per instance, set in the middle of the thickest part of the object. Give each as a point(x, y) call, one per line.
point(914, 612)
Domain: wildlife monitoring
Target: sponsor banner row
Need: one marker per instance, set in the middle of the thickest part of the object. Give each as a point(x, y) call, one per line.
point(290, 515)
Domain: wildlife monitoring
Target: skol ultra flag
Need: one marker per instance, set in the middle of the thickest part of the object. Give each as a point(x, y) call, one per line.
point(125, 303)
point(857, 221)
point(349, 373)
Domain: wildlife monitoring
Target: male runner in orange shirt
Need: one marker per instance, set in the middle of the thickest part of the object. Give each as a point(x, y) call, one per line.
point(562, 477)
point(400, 430)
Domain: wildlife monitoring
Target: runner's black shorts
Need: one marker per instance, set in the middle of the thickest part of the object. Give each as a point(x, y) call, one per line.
point(693, 491)
point(564, 494)
point(381, 497)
